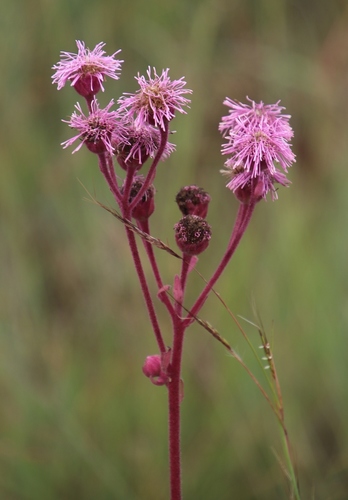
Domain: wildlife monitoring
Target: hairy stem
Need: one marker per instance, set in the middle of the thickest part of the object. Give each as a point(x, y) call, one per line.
point(243, 218)
point(151, 173)
point(145, 289)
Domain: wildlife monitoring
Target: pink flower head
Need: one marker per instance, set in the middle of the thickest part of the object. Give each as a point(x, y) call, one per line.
point(157, 100)
point(96, 129)
point(258, 138)
point(138, 144)
point(87, 69)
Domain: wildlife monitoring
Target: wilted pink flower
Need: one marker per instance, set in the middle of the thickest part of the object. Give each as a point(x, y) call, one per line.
point(138, 144)
point(157, 100)
point(87, 69)
point(96, 129)
point(258, 138)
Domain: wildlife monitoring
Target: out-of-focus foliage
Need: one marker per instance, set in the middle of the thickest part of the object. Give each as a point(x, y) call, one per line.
point(77, 418)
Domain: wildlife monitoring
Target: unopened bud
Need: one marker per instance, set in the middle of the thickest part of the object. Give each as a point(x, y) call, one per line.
point(152, 366)
point(192, 234)
point(146, 205)
point(154, 369)
point(193, 200)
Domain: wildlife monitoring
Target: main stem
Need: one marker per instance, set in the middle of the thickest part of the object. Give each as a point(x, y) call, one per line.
point(174, 400)
point(175, 390)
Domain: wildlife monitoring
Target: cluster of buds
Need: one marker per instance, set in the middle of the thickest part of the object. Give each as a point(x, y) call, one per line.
point(192, 232)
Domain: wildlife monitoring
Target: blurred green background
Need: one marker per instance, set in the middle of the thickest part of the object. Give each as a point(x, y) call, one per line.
point(78, 420)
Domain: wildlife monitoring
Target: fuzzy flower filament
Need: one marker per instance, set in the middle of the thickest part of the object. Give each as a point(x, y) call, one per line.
point(87, 69)
point(258, 138)
point(138, 144)
point(96, 130)
point(157, 100)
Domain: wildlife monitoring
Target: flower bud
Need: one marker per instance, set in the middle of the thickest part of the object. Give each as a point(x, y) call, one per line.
point(152, 366)
point(154, 369)
point(192, 234)
point(193, 200)
point(146, 205)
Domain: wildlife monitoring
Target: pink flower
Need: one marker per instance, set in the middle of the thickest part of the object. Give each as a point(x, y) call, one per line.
point(96, 129)
point(87, 69)
point(156, 101)
point(258, 138)
point(138, 144)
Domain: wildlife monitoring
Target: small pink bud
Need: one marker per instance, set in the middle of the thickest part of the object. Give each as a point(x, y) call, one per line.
point(152, 366)
point(155, 368)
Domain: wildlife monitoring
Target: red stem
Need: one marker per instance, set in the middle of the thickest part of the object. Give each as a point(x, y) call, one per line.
point(103, 166)
point(145, 289)
point(175, 390)
point(174, 400)
point(144, 226)
point(151, 173)
point(243, 218)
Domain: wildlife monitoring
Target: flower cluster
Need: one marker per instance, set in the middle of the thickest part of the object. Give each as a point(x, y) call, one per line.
point(258, 138)
point(131, 132)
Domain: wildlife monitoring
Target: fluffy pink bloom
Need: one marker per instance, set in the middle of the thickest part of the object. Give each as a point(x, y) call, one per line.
point(138, 144)
point(96, 129)
point(87, 69)
point(258, 138)
point(157, 100)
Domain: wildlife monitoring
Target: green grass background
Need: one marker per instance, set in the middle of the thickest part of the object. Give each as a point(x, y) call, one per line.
point(78, 420)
